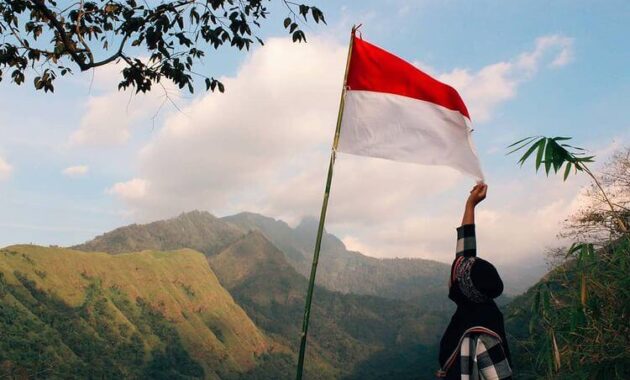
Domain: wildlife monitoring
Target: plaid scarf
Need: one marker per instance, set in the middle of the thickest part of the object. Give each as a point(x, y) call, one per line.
point(481, 356)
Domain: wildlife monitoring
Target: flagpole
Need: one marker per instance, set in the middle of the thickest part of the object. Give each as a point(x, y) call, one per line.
point(322, 218)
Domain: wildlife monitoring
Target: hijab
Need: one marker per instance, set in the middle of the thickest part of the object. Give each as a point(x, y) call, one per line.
point(475, 283)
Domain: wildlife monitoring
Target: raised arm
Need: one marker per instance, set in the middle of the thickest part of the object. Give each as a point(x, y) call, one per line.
point(466, 242)
point(477, 194)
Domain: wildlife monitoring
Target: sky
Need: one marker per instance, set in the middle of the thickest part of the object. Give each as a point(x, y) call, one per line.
point(88, 158)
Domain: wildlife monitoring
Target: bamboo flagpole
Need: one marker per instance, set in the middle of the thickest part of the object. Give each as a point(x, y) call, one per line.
point(322, 217)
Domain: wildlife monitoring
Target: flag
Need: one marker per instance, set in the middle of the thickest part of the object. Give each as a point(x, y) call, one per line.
point(393, 110)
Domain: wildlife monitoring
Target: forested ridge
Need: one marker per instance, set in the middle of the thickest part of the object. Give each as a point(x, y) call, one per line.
point(232, 309)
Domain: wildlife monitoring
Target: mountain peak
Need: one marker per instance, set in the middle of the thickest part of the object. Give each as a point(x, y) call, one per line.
point(195, 215)
point(308, 223)
point(196, 229)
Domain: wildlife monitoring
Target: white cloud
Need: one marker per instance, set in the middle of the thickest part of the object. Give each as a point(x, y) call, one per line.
point(110, 114)
point(5, 169)
point(484, 90)
point(264, 145)
point(275, 119)
point(134, 189)
point(514, 224)
point(558, 46)
point(75, 171)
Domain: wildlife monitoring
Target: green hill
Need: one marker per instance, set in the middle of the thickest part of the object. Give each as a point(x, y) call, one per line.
point(65, 313)
point(349, 333)
point(340, 269)
point(348, 271)
point(196, 230)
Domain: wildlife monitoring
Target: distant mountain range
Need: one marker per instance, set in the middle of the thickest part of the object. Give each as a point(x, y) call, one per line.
point(339, 269)
point(216, 298)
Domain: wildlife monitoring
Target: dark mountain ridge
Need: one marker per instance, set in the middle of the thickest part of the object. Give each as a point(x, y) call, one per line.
point(348, 271)
point(341, 270)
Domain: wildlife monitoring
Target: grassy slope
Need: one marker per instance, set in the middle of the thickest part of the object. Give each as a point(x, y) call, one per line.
point(341, 270)
point(179, 286)
point(349, 334)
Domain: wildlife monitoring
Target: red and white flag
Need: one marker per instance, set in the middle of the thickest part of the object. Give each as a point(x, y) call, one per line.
point(395, 111)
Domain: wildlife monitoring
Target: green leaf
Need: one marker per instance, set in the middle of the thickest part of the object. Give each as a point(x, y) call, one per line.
point(304, 10)
point(539, 156)
point(548, 156)
point(521, 146)
point(520, 141)
point(567, 170)
point(528, 153)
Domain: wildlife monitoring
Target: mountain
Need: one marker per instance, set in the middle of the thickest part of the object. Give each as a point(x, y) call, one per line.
point(351, 336)
point(417, 280)
point(196, 230)
point(141, 315)
point(348, 271)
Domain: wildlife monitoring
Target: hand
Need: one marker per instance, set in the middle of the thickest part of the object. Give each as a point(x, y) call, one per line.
point(477, 194)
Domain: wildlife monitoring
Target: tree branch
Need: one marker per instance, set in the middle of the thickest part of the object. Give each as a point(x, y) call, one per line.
point(118, 54)
point(67, 42)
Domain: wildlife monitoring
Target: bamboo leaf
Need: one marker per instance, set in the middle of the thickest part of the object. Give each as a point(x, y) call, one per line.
point(567, 170)
point(528, 153)
point(583, 291)
point(556, 352)
point(521, 140)
point(548, 156)
point(536, 303)
point(546, 301)
point(523, 145)
point(539, 156)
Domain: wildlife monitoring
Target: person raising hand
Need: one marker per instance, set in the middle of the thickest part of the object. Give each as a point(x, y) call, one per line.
point(474, 345)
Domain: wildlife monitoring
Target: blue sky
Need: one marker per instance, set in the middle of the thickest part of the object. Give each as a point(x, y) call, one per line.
point(140, 169)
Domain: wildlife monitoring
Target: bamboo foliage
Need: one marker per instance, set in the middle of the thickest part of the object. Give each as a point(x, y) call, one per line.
point(579, 317)
point(553, 153)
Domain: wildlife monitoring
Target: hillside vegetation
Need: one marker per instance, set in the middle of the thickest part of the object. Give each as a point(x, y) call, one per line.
point(196, 230)
point(341, 270)
point(351, 335)
point(141, 315)
point(348, 271)
point(574, 323)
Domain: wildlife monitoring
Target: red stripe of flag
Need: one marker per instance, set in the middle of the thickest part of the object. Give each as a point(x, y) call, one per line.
point(374, 69)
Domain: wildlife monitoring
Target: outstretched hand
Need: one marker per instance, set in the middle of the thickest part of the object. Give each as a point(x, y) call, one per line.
point(477, 194)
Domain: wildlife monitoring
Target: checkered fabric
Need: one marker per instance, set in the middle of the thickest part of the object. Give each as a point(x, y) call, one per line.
point(465, 256)
point(466, 248)
point(466, 243)
point(481, 357)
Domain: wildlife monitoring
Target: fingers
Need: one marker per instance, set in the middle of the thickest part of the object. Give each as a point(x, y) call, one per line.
point(480, 190)
point(484, 191)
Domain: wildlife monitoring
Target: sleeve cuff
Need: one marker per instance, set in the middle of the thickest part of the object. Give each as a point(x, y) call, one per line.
point(466, 230)
point(466, 242)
